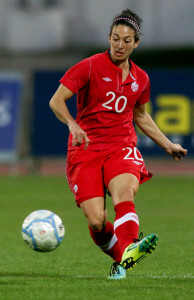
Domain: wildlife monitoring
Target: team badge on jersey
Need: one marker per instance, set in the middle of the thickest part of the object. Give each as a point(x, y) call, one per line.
point(134, 86)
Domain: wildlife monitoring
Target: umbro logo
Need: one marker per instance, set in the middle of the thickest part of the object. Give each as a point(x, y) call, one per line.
point(107, 79)
point(137, 162)
point(75, 188)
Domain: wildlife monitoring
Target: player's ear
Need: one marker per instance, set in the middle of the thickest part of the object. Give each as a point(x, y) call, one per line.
point(109, 37)
point(136, 44)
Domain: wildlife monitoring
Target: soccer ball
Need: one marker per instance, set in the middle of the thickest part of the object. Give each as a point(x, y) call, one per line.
point(43, 230)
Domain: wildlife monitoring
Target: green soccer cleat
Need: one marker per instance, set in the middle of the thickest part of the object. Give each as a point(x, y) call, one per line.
point(117, 271)
point(137, 251)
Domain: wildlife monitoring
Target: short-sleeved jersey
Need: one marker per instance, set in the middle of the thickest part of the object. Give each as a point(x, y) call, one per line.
point(105, 103)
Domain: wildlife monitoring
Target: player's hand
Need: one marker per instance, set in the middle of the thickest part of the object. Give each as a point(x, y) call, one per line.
point(177, 152)
point(79, 136)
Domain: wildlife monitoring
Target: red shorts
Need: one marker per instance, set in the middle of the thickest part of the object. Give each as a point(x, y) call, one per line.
point(89, 172)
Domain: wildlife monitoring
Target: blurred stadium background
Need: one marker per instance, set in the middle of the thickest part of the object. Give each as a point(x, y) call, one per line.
point(41, 39)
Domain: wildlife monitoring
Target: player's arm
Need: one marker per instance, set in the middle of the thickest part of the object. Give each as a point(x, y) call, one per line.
point(60, 109)
point(149, 127)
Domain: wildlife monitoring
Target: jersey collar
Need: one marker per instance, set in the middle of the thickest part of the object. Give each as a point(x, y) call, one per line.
point(132, 73)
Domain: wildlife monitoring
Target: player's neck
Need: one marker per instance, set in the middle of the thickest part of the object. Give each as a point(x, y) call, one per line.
point(122, 64)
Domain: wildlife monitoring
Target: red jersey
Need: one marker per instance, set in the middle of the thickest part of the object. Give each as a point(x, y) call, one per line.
point(105, 103)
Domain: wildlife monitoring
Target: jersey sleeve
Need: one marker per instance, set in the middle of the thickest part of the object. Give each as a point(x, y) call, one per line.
point(145, 95)
point(77, 76)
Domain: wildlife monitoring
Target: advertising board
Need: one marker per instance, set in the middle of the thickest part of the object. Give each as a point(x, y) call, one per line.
point(10, 109)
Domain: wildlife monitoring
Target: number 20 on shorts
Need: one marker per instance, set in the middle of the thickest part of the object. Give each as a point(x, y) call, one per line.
point(132, 154)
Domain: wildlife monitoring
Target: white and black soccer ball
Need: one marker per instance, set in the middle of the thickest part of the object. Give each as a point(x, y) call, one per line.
point(43, 230)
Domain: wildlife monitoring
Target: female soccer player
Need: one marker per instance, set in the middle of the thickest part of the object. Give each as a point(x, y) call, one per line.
point(102, 155)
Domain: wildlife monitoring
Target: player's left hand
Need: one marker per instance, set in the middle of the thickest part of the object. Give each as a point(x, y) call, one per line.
point(177, 152)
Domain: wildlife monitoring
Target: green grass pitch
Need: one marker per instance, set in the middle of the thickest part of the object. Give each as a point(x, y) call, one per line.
point(78, 269)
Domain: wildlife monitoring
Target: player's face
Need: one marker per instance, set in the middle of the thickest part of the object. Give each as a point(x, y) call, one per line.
point(122, 42)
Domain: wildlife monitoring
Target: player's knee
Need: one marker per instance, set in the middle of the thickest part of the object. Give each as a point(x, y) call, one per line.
point(97, 223)
point(125, 195)
point(96, 226)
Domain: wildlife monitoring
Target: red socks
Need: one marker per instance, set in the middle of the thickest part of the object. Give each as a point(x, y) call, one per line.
point(114, 240)
point(126, 225)
point(107, 241)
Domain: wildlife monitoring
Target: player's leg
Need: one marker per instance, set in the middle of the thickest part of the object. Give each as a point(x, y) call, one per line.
point(84, 174)
point(95, 212)
point(123, 172)
point(123, 189)
point(126, 223)
point(101, 230)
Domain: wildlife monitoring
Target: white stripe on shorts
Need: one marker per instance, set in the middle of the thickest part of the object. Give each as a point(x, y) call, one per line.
point(125, 218)
point(110, 244)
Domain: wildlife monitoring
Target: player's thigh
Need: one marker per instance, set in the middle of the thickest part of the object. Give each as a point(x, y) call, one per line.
point(95, 212)
point(124, 160)
point(84, 175)
point(123, 172)
point(123, 187)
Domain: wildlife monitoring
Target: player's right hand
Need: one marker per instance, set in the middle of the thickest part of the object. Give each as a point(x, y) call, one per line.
point(79, 136)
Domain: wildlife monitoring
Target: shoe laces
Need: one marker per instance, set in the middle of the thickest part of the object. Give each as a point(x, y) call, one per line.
point(114, 269)
point(139, 238)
